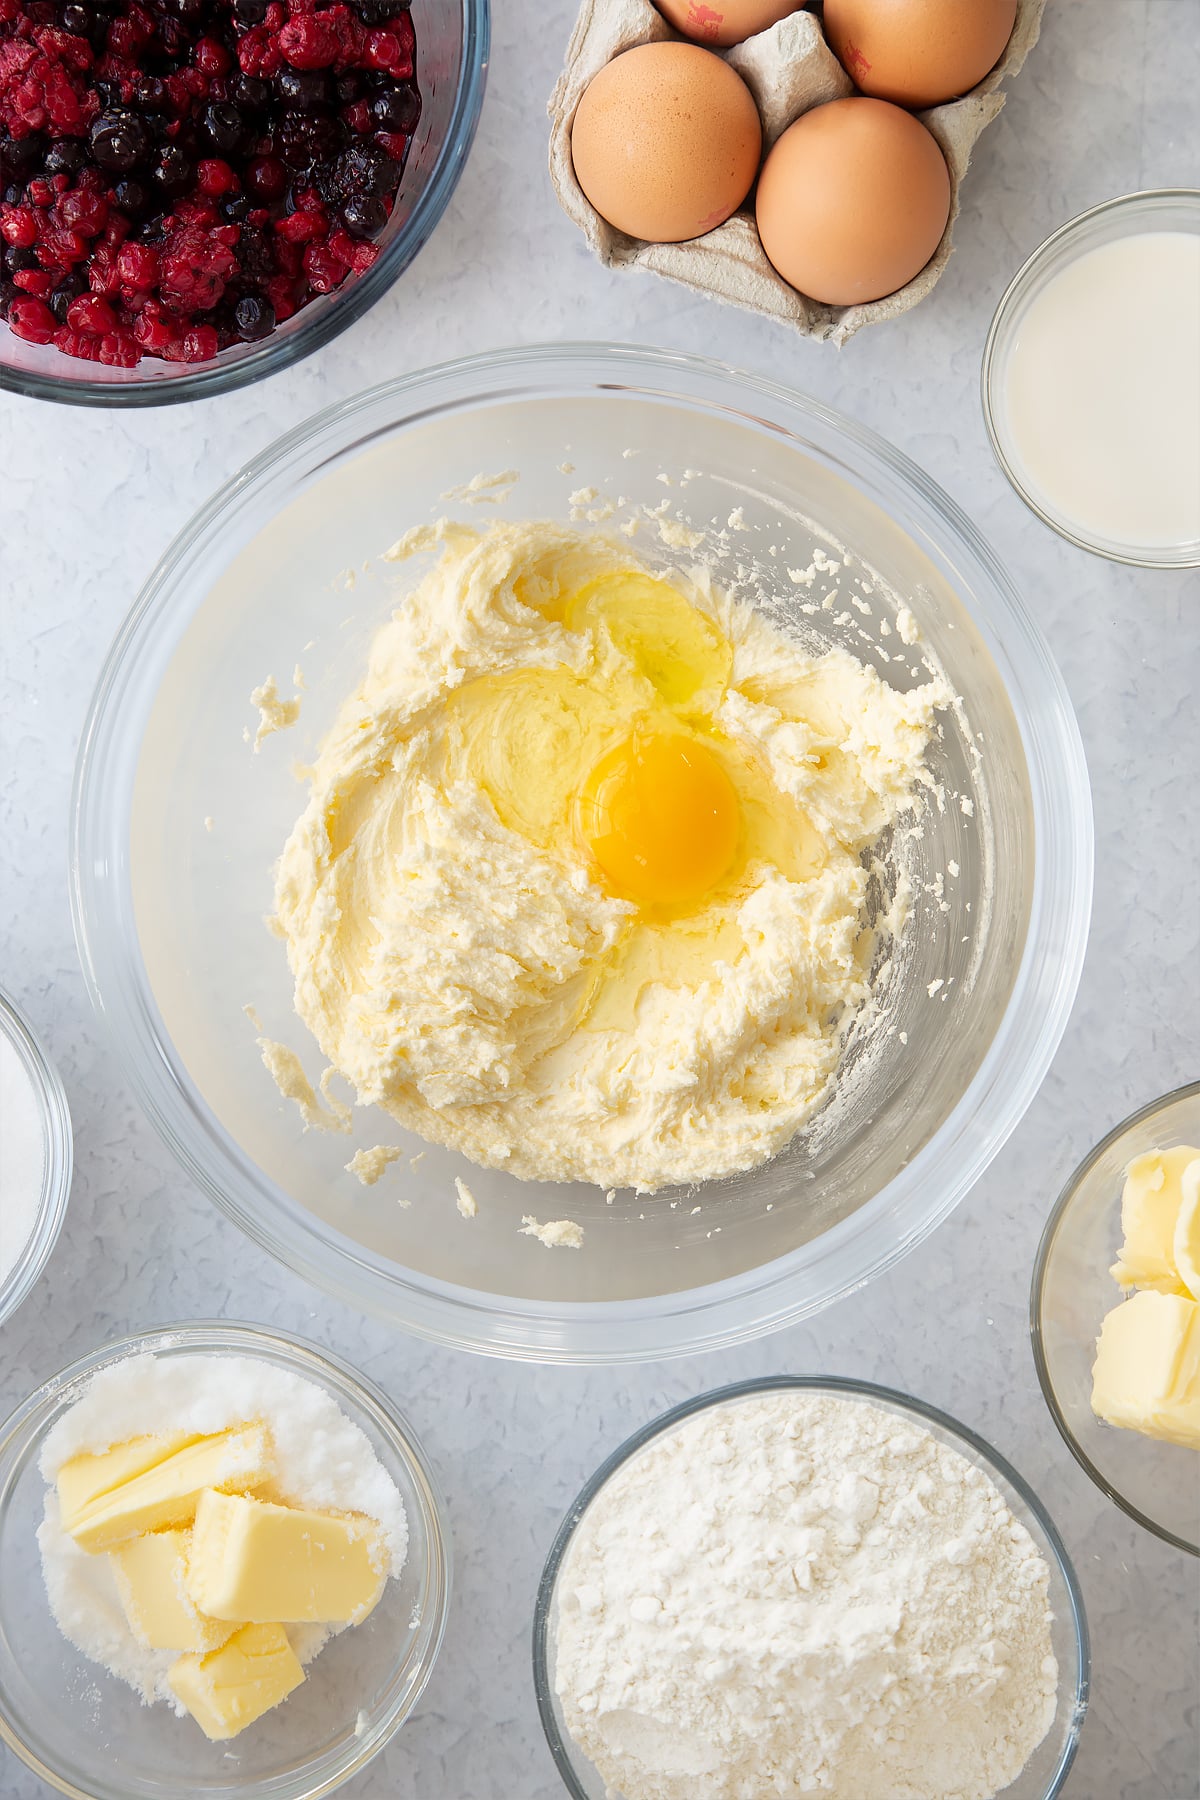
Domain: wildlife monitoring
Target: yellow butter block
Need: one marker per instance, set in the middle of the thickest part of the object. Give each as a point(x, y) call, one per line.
point(1146, 1376)
point(1187, 1229)
point(87, 1476)
point(150, 1573)
point(165, 1495)
point(1150, 1206)
point(231, 1687)
point(251, 1559)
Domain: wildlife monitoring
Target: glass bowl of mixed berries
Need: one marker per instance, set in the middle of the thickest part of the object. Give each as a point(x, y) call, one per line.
point(194, 193)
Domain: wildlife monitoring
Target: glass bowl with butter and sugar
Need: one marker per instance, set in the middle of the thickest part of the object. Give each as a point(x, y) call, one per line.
point(512, 1150)
point(1115, 1316)
point(226, 1570)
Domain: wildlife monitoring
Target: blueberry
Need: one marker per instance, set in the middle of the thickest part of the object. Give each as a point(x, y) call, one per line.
point(66, 156)
point(396, 108)
point(172, 173)
point(251, 94)
point(119, 140)
point(85, 22)
point(378, 12)
point(16, 258)
point(132, 199)
point(236, 208)
point(150, 94)
point(304, 90)
point(254, 318)
point(224, 126)
point(66, 291)
point(249, 12)
point(20, 156)
point(364, 215)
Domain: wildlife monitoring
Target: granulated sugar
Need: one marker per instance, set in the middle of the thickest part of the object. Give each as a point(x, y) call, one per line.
point(322, 1460)
point(804, 1594)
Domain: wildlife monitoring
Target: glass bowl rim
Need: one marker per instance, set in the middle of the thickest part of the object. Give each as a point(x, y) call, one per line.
point(733, 1308)
point(51, 1097)
point(870, 1391)
point(317, 1363)
point(203, 381)
point(1018, 289)
point(1188, 1091)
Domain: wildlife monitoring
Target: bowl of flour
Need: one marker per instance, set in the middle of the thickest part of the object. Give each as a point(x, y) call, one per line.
point(809, 1586)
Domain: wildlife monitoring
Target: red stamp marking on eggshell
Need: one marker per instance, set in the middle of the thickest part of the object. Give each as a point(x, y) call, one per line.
point(855, 59)
point(703, 19)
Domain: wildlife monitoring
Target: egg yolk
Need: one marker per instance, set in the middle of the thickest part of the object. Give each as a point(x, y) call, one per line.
point(661, 818)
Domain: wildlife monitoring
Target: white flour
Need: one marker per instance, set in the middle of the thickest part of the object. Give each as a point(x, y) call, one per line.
point(800, 1594)
point(322, 1460)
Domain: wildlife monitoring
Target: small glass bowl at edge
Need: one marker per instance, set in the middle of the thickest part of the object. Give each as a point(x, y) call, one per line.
point(57, 1158)
point(67, 1718)
point(1051, 1761)
point(1150, 209)
point(1157, 1484)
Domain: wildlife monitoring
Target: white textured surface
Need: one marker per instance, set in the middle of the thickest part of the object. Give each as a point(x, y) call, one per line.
point(1107, 104)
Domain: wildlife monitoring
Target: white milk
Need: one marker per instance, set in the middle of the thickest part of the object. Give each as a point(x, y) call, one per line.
point(1103, 392)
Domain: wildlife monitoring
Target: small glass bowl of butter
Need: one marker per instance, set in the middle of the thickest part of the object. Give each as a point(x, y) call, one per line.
point(87, 1733)
point(1114, 1269)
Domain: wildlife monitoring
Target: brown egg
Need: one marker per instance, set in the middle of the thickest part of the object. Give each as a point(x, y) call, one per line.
point(725, 22)
point(852, 201)
point(918, 52)
point(666, 142)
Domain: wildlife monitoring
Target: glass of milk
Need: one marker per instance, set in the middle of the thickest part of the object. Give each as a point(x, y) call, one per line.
point(1091, 380)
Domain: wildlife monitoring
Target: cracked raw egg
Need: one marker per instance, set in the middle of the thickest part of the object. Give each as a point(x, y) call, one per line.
point(660, 816)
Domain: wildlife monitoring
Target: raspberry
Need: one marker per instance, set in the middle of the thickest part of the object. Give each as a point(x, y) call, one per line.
point(77, 343)
point(303, 227)
point(194, 270)
point(119, 349)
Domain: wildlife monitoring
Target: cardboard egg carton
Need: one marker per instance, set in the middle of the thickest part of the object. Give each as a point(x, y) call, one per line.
point(789, 69)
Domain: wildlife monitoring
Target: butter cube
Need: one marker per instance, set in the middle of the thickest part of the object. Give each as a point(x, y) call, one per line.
point(1150, 1206)
point(1146, 1376)
point(251, 1559)
point(87, 1476)
point(150, 1573)
point(229, 1688)
point(165, 1495)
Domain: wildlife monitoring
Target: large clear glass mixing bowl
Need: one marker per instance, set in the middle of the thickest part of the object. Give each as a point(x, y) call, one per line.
point(177, 826)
